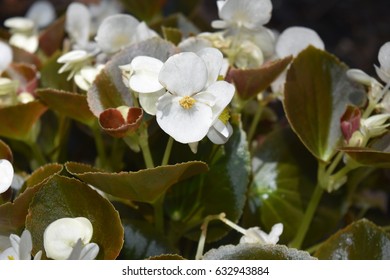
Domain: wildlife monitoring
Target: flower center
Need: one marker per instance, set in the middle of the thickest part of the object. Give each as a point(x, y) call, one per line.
point(224, 116)
point(187, 102)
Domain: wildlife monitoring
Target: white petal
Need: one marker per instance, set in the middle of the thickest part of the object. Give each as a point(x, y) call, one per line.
point(276, 231)
point(27, 43)
point(360, 77)
point(77, 23)
point(19, 23)
point(213, 59)
point(148, 101)
point(194, 147)
point(295, 39)
point(220, 136)
point(184, 74)
point(8, 254)
point(73, 56)
point(184, 125)
point(264, 38)
point(143, 32)
point(249, 13)
point(145, 74)
point(25, 246)
point(194, 44)
point(6, 56)
point(219, 24)
point(89, 252)
point(384, 58)
point(220, 4)
point(6, 175)
point(384, 76)
point(61, 235)
point(223, 93)
point(116, 32)
point(42, 13)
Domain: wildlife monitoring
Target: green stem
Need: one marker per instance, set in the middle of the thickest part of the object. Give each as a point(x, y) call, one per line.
point(144, 144)
point(255, 122)
point(334, 163)
point(101, 151)
point(310, 211)
point(167, 152)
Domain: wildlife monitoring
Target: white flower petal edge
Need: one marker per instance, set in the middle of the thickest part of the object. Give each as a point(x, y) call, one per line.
point(20, 248)
point(6, 175)
point(255, 235)
point(213, 59)
point(144, 74)
point(6, 56)
point(384, 61)
point(184, 125)
point(219, 133)
point(223, 93)
point(42, 13)
point(61, 236)
point(184, 74)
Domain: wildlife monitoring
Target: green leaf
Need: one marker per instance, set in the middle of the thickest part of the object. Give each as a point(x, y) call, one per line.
point(317, 92)
point(17, 120)
point(143, 241)
point(63, 197)
point(361, 240)
point(250, 82)
point(144, 10)
point(5, 151)
point(146, 185)
point(284, 176)
point(50, 78)
point(13, 215)
point(173, 35)
point(256, 252)
point(63, 102)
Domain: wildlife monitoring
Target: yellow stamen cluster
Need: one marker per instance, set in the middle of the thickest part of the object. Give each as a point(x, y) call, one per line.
point(224, 116)
point(187, 102)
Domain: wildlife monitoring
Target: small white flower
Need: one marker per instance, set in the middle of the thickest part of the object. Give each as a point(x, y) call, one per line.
point(194, 98)
point(384, 61)
point(61, 236)
point(84, 252)
point(73, 61)
point(255, 235)
point(119, 31)
point(141, 76)
point(42, 13)
point(375, 125)
point(6, 175)
point(24, 35)
point(21, 248)
point(251, 14)
point(87, 75)
point(77, 24)
point(19, 25)
point(25, 42)
point(6, 56)
point(359, 76)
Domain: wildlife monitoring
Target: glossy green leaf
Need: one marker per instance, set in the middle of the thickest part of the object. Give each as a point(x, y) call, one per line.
point(13, 215)
point(284, 176)
point(317, 92)
point(17, 121)
point(256, 252)
point(146, 185)
point(62, 197)
point(5, 151)
point(108, 90)
point(251, 82)
point(361, 240)
point(143, 241)
point(64, 103)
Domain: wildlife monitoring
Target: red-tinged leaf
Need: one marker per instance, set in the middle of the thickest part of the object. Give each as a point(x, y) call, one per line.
point(22, 56)
point(368, 156)
point(64, 102)
point(112, 121)
point(61, 197)
point(17, 121)
point(317, 92)
point(250, 82)
point(51, 39)
point(146, 185)
point(26, 74)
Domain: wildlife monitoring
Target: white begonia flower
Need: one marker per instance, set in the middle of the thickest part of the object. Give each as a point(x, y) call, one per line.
point(77, 24)
point(251, 14)
point(74, 61)
point(24, 35)
point(119, 31)
point(292, 41)
point(194, 44)
point(6, 175)
point(6, 56)
point(87, 75)
point(248, 55)
point(194, 98)
point(61, 236)
point(374, 126)
point(101, 10)
point(141, 76)
point(20, 248)
point(359, 76)
point(255, 235)
point(42, 13)
point(384, 61)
